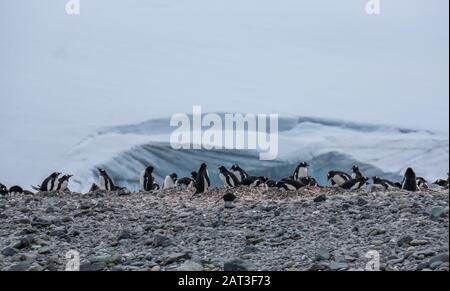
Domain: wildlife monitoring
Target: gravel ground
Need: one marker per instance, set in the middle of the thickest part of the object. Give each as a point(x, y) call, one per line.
point(312, 229)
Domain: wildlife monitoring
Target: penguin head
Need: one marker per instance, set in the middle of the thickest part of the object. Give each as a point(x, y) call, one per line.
point(56, 174)
point(3, 188)
point(263, 179)
point(410, 173)
point(102, 172)
point(149, 169)
point(174, 176)
point(222, 169)
point(355, 168)
point(234, 167)
point(194, 175)
point(304, 165)
point(229, 197)
point(65, 178)
point(203, 168)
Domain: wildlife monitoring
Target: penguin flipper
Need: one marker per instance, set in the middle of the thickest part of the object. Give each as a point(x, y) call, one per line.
point(38, 188)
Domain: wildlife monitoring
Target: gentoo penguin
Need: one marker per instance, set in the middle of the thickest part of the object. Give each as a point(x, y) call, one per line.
point(188, 183)
point(63, 183)
point(169, 181)
point(239, 172)
point(229, 198)
point(255, 182)
point(49, 184)
point(106, 183)
point(16, 190)
point(409, 181)
point(3, 190)
point(338, 178)
point(442, 182)
point(94, 188)
point(228, 178)
point(422, 184)
point(356, 173)
point(147, 179)
point(289, 185)
point(203, 181)
point(301, 171)
point(354, 184)
point(386, 184)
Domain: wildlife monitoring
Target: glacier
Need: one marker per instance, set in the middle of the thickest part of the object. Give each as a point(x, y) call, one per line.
point(124, 151)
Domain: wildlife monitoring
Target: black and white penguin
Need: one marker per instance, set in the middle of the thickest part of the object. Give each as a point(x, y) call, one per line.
point(356, 173)
point(49, 184)
point(229, 198)
point(63, 183)
point(105, 182)
point(301, 171)
point(228, 178)
point(289, 185)
point(16, 190)
point(338, 178)
point(188, 183)
point(442, 182)
point(170, 181)
point(147, 179)
point(355, 184)
point(156, 187)
point(422, 183)
point(3, 190)
point(409, 181)
point(94, 188)
point(203, 181)
point(271, 184)
point(255, 182)
point(239, 172)
point(386, 184)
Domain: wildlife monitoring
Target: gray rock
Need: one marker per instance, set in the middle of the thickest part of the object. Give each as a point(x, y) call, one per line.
point(238, 265)
point(24, 243)
point(175, 257)
point(443, 258)
point(124, 234)
point(20, 267)
point(320, 198)
point(190, 266)
point(323, 254)
point(41, 221)
point(335, 266)
point(161, 241)
point(404, 241)
point(93, 267)
point(9, 252)
point(438, 212)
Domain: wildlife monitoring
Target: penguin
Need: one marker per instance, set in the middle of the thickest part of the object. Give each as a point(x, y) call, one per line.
point(49, 184)
point(254, 182)
point(63, 183)
point(338, 178)
point(188, 183)
point(239, 172)
point(106, 183)
point(156, 187)
point(355, 184)
point(228, 178)
point(301, 171)
point(229, 198)
point(203, 181)
point(289, 185)
point(442, 182)
point(169, 181)
point(147, 179)
point(3, 190)
point(94, 188)
point(386, 184)
point(16, 190)
point(356, 173)
point(422, 184)
point(271, 184)
point(409, 181)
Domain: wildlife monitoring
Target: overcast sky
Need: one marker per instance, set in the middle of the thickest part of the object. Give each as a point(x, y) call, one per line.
point(128, 61)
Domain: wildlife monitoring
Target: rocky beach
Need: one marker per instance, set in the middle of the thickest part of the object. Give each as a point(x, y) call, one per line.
point(312, 229)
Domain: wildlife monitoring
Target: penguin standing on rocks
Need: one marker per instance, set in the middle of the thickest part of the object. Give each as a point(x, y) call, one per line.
point(386, 184)
point(63, 183)
point(3, 190)
point(203, 181)
point(170, 181)
point(229, 198)
point(409, 181)
point(338, 178)
point(355, 184)
point(239, 172)
point(49, 184)
point(228, 178)
point(94, 188)
point(147, 179)
point(422, 183)
point(356, 173)
point(106, 183)
point(188, 183)
point(301, 171)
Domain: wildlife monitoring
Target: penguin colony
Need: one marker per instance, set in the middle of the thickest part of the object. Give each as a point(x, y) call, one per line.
point(199, 182)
